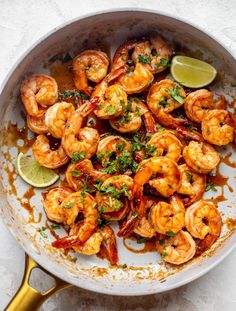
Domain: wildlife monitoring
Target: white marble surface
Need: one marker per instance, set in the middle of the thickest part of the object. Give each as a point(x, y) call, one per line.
point(21, 23)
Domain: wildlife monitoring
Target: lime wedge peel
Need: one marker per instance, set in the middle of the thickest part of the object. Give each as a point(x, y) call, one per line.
point(33, 173)
point(192, 72)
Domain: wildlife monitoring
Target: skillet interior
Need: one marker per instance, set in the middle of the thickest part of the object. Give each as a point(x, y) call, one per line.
point(145, 272)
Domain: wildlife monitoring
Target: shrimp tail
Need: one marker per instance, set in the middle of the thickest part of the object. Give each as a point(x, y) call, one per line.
point(66, 242)
point(113, 75)
point(110, 244)
point(149, 122)
point(89, 107)
point(189, 134)
point(128, 227)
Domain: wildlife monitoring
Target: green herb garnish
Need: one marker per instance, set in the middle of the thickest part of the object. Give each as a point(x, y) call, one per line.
point(77, 156)
point(175, 94)
point(144, 59)
point(210, 186)
point(170, 234)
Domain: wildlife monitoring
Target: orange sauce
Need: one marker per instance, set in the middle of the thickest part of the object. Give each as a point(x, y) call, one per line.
point(226, 160)
point(12, 134)
point(62, 73)
point(11, 180)
point(149, 246)
point(231, 223)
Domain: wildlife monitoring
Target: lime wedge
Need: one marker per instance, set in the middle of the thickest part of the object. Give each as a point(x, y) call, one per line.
point(192, 72)
point(33, 173)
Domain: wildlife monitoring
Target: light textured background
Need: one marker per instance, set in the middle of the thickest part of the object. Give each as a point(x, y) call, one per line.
point(23, 22)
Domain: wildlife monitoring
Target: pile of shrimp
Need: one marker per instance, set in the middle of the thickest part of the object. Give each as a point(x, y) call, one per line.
point(148, 171)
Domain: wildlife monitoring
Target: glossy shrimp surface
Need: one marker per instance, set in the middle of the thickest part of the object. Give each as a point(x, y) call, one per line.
point(202, 218)
point(80, 140)
point(167, 178)
point(36, 92)
point(154, 54)
point(192, 185)
point(164, 97)
point(37, 124)
point(168, 217)
point(113, 194)
point(75, 203)
point(217, 128)
point(56, 118)
point(165, 142)
point(178, 249)
point(53, 203)
point(131, 118)
point(47, 157)
point(198, 103)
point(89, 65)
point(111, 146)
point(201, 157)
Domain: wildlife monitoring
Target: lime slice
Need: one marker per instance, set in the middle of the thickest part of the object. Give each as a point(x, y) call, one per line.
point(33, 173)
point(192, 72)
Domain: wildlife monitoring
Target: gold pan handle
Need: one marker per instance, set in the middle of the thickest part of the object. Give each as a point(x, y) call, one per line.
point(29, 299)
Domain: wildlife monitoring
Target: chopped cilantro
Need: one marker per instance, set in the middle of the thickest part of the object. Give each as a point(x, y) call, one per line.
point(189, 176)
point(72, 94)
point(144, 59)
point(111, 110)
point(124, 266)
point(55, 226)
point(175, 94)
point(42, 233)
point(191, 127)
point(210, 186)
point(170, 234)
point(150, 149)
point(120, 147)
point(141, 240)
point(69, 205)
point(77, 156)
point(164, 62)
point(162, 242)
point(163, 255)
point(76, 173)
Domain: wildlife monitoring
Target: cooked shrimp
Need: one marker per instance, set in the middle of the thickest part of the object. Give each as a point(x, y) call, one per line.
point(198, 103)
point(36, 92)
point(154, 54)
point(168, 217)
point(145, 228)
point(216, 127)
point(56, 117)
point(89, 65)
point(113, 98)
point(121, 55)
point(37, 124)
point(80, 140)
point(52, 203)
point(47, 157)
point(81, 173)
point(203, 218)
point(165, 142)
point(130, 120)
point(164, 97)
point(165, 184)
point(136, 81)
point(110, 146)
point(192, 185)
point(109, 239)
point(201, 157)
point(178, 249)
point(93, 244)
point(112, 195)
point(75, 203)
